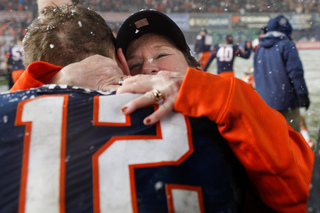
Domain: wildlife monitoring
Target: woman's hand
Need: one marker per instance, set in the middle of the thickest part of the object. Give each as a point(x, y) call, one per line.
point(167, 83)
point(95, 72)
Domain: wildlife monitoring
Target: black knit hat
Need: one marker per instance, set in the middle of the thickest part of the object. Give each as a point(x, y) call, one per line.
point(150, 21)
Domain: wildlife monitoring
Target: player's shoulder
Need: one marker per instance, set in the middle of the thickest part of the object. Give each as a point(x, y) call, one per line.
point(57, 89)
point(50, 89)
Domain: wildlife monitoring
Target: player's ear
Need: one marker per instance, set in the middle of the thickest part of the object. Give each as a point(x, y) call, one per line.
point(122, 63)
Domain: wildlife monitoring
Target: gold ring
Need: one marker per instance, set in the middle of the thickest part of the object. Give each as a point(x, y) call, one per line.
point(157, 94)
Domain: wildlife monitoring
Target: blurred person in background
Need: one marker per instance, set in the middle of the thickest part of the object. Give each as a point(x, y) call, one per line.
point(225, 54)
point(15, 65)
point(255, 43)
point(45, 3)
point(203, 47)
point(304, 131)
point(278, 72)
point(248, 77)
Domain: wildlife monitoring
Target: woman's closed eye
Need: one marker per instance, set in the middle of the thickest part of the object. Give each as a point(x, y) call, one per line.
point(161, 55)
point(137, 65)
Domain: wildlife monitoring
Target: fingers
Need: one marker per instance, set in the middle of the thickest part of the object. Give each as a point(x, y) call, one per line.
point(143, 101)
point(164, 86)
point(136, 84)
point(148, 99)
point(126, 89)
point(157, 115)
point(106, 88)
point(111, 83)
point(145, 83)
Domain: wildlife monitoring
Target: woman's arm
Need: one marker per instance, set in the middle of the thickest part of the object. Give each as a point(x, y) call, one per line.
point(277, 159)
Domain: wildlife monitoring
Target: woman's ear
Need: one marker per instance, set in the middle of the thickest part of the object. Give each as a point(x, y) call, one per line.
point(122, 63)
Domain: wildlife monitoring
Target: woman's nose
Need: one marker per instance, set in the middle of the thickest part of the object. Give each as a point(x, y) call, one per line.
point(150, 67)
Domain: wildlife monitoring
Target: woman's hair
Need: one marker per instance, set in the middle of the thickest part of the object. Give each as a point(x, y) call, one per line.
point(67, 34)
point(192, 62)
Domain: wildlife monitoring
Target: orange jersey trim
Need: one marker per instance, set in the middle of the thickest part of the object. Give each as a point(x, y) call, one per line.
point(277, 159)
point(24, 170)
point(35, 75)
point(95, 121)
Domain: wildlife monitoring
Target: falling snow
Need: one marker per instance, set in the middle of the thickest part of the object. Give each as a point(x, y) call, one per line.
point(5, 119)
point(158, 185)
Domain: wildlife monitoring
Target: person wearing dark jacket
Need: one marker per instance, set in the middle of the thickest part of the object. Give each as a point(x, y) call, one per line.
point(203, 47)
point(225, 54)
point(278, 72)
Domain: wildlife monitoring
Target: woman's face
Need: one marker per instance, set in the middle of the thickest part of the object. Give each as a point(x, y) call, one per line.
point(152, 53)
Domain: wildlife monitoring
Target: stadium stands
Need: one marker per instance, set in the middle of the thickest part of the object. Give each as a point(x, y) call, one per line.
point(15, 15)
point(183, 6)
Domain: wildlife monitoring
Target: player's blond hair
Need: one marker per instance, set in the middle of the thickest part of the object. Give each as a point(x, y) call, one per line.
point(66, 34)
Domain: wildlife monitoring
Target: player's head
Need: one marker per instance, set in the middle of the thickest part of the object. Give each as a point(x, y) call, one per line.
point(20, 36)
point(229, 39)
point(151, 22)
point(67, 34)
point(281, 24)
point(262, 31)
point(203, 31)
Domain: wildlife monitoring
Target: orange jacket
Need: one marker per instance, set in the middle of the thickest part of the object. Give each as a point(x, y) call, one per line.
point(35, 75)
point(277, 159)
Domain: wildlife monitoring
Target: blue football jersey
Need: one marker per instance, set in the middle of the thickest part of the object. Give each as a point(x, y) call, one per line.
point(225, 54)
point(66, 149)
point(15, 59)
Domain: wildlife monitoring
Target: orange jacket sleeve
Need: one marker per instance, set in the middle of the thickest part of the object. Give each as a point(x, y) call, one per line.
point(35, 75)
point(277, 159)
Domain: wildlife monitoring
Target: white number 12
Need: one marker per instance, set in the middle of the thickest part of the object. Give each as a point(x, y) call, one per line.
point(43, 170)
